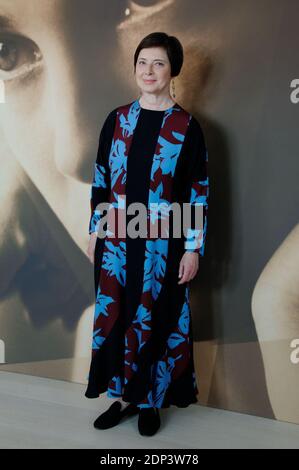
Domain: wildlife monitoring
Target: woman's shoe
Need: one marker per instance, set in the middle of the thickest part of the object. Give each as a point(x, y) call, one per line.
point(114, 415)
point(148, 421)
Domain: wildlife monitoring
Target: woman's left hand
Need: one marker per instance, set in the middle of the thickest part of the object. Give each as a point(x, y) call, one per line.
point(188, 266)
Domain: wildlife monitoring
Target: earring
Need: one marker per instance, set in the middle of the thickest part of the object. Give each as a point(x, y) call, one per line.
point(173, 90)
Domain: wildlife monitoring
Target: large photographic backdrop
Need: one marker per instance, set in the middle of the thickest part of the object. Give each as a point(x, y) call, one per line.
point(64, 65)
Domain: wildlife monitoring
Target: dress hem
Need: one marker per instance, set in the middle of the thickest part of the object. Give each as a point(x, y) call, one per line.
point(165, 405)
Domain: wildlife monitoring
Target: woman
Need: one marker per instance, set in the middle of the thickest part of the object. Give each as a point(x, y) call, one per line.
point(150, 151)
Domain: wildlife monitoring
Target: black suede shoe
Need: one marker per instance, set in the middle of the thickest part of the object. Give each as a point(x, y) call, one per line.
point(148, 421)
point(114, 415)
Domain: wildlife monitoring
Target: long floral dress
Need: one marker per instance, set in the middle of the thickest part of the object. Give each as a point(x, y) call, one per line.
point(142, 349)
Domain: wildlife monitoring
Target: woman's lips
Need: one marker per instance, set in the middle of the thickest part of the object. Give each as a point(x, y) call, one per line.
point(149, 81)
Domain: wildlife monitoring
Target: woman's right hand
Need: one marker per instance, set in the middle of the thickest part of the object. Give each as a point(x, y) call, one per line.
point(91, 246)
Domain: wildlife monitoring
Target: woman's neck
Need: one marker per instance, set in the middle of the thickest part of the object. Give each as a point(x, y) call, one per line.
point(162, 104)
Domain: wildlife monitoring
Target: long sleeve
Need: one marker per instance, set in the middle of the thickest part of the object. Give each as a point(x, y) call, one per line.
point(198, 188)
point(101, 183)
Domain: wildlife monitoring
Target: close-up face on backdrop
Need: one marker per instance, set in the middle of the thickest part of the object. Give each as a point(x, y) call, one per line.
point(59, 61)
point(54, 60)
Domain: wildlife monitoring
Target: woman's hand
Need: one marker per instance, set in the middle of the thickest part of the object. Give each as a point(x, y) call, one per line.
point(188, 266)
point(91, 246)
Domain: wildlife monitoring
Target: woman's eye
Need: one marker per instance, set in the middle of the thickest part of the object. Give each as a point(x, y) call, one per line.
point(141, 10)
point(18, 56)
point(156, 63)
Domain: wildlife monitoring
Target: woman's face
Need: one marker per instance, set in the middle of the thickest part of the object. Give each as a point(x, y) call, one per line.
point(54, 67)
point(153, 71)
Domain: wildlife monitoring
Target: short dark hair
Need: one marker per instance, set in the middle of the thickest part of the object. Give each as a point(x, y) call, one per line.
point(171, 44)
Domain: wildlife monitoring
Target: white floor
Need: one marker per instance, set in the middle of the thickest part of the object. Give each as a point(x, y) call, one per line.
point(40, 413)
